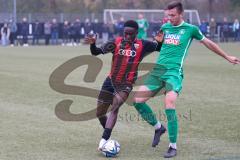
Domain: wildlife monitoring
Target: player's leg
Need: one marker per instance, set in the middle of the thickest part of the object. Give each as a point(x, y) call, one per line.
point(102, 117)
point(170, 110)
point(173, 87)
point(102, 109)
point(140, 98)
point(118, 100)
point(145, 92)
point(105, 99)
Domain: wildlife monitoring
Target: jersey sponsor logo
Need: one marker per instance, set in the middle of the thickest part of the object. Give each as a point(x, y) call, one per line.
point(172, 36)
point(136, 45)
point(182, 31)
point(127, 52)
point(172, 39)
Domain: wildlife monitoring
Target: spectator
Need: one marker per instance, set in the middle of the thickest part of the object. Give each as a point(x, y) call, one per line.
point(77, 27)
point(37, 31)
point(71, 35)
point(97, 28)
point(120, 26)
point(203, 27)
point(112, 31)
point(65, 33)
point(236, 30)
point(13, 32)
point(54, 32)
point(115, 25)
point(105, 32)
point(87, 26)
point(5, 33)
point(24, 31)
point(212, 28)
point(47, 32)
point(224, 30)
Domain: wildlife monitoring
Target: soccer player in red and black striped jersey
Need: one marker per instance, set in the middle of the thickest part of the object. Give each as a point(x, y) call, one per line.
point(128, 51)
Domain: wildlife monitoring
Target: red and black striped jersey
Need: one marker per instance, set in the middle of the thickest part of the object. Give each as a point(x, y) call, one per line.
point(126, 58)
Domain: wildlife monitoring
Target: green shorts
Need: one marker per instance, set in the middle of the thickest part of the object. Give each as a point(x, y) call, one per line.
point(164, 82)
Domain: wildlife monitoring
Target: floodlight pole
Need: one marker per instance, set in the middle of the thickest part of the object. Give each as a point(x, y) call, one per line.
point(15, 11)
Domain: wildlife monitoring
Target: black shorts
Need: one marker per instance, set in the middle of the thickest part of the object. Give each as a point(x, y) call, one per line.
point(109, 89)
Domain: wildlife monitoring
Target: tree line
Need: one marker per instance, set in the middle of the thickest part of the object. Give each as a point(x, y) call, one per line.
point(97, 6)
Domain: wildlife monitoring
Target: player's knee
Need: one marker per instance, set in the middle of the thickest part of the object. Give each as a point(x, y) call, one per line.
point(115, 110)
point(99, 114)
point(170, 103)
point(139, 100)
point(170, 100)
point(142, 95)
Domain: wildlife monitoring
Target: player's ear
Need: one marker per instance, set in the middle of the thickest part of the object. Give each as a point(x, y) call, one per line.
point(182, 14)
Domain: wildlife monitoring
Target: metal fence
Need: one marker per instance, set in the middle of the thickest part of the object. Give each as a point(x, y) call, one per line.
point(43, 17)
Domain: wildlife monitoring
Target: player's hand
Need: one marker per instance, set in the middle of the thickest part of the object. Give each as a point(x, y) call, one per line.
point(108, 47)
point(90, 39)
point(233, 60)
point(159, 36)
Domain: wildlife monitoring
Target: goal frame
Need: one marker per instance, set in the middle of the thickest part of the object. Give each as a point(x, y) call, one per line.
point(110, 11)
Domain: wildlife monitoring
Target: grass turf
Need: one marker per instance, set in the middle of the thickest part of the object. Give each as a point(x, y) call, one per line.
point(208, 109)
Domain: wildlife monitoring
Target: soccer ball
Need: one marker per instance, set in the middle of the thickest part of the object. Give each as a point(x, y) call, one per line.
point(111, 148)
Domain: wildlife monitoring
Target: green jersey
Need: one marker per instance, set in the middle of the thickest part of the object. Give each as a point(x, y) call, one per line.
point(177, 40)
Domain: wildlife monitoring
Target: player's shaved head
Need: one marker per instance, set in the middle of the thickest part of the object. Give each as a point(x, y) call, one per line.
point(132, 24)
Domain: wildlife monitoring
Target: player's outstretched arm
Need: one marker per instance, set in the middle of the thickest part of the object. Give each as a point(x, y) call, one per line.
point(105, 48)
point(91, 39)
point(216, 49)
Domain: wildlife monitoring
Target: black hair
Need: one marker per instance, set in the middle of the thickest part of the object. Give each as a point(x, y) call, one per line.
point(132, 24)
point(177, 5)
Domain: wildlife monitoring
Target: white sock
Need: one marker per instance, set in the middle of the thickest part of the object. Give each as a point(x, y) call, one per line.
point(173, 145)
point(157, 126)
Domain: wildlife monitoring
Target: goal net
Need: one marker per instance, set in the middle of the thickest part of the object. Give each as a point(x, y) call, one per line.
point(113, 15)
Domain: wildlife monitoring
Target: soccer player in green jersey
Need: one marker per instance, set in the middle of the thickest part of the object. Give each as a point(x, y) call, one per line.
point(142, 27)
point(168, 73)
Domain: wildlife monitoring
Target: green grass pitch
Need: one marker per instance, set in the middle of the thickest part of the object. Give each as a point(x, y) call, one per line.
point(208, 109)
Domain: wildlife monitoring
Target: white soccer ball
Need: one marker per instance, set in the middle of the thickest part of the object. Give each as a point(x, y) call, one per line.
point(111, 148)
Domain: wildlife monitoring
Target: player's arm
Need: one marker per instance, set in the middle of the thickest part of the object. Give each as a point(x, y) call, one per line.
point(105, 48)
point(155, 45)
point(216, 49)
point(91, 39)
point(159, 39)
point(95, 50)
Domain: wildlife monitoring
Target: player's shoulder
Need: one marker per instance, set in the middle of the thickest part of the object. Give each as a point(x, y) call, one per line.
point(166, 25)
point(192, 26)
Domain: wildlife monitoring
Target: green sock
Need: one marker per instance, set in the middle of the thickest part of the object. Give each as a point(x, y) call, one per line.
point(146, 112)
point(172, 125)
